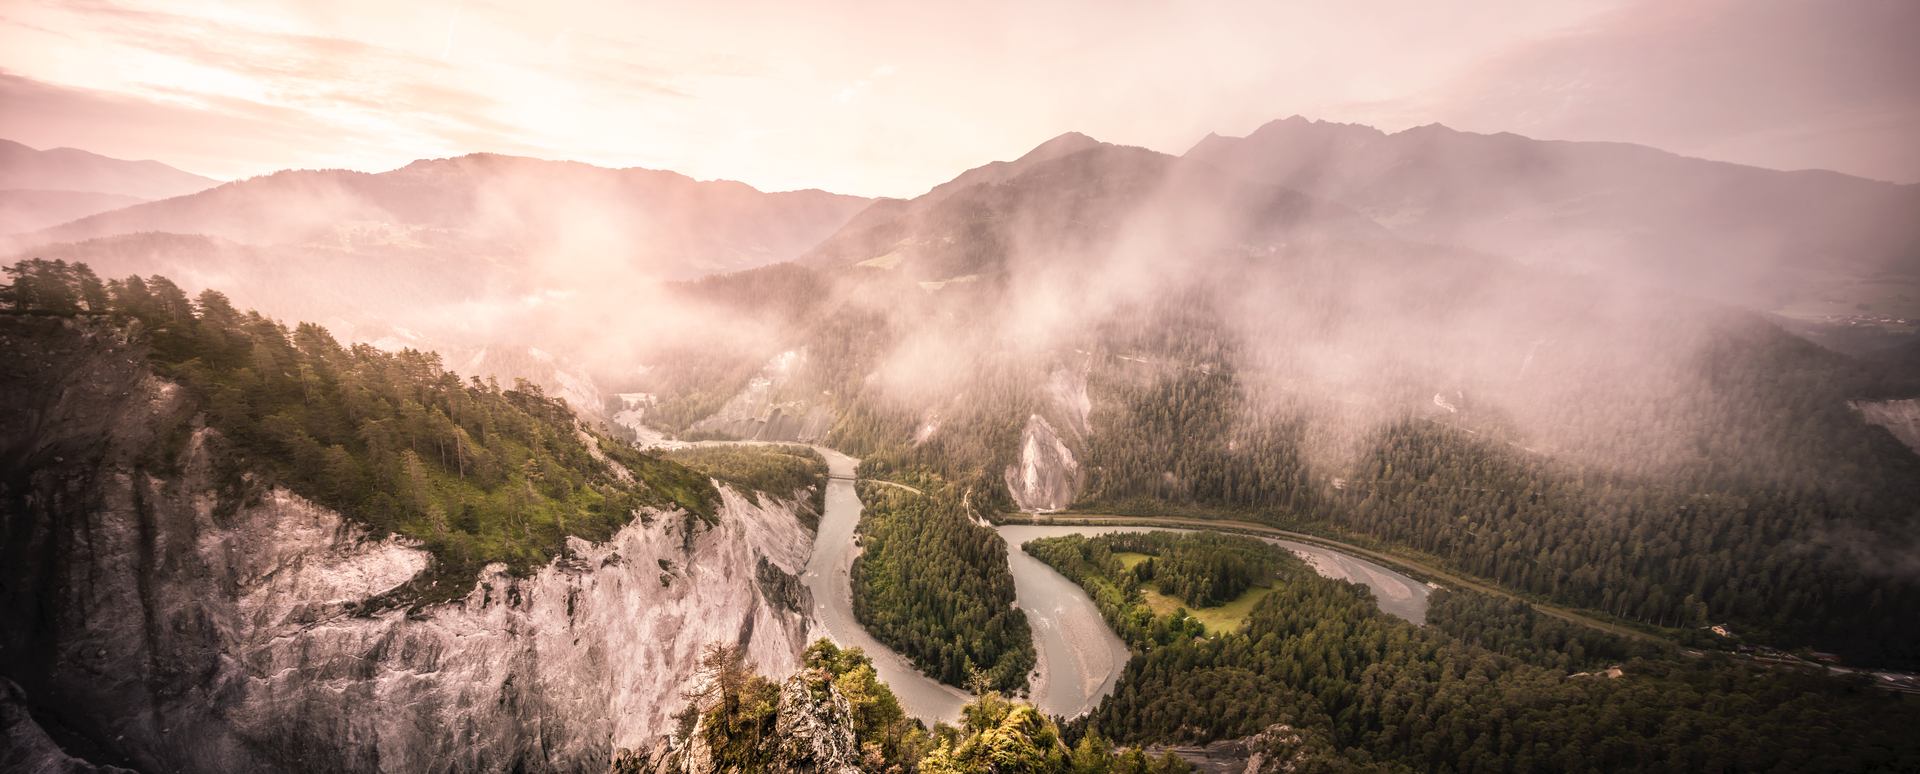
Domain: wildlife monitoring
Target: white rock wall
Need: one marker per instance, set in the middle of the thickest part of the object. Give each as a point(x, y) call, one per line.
point(176, 636)
point(1047, 477)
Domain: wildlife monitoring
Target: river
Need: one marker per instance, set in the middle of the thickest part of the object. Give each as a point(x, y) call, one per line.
point(827, 576)
point(1080, 658)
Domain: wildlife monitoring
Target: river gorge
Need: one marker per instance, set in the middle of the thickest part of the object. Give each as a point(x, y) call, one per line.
point(1079, 657)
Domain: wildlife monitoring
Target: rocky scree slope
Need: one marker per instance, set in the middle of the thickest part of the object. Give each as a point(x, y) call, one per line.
point(161, 613)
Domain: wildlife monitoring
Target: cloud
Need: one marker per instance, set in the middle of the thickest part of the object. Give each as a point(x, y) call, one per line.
point(232, 138)
point(1785, 84)
point(755, 134)
point(846, 95)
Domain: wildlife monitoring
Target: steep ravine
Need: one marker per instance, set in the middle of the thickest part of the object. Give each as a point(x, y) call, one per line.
point(161, 617)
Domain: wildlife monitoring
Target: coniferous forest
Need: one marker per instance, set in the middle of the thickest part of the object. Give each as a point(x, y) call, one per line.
point(1105, 332)
point(1719, 478)
point(476, 473)
point(934, 585)
point(1488, 687)
point(792, 471)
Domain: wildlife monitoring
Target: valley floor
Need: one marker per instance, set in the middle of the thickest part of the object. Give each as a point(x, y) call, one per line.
point(1406, 564)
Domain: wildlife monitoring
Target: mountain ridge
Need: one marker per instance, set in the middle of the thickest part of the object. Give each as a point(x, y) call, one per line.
point(73, 169)
point(659, 220)
point(1736, 233)
point(1083, 189)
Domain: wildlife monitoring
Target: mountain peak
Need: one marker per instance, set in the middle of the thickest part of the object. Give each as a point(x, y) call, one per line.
point(1064, 145)
point(1294, 125)
point(1002, 171)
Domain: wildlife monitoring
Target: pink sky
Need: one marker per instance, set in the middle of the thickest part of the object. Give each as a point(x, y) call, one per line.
point(890, 98)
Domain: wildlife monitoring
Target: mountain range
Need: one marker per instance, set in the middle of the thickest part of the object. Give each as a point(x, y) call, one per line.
point(1747, 235)
point(661, 223)
point(1809, 245)
point(42, 188)
point(1540, 371)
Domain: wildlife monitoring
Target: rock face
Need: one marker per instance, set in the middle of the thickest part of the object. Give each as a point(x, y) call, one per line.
point(1047, 477)
point(25, 748)
point(177, 619)
point(815, 729)
point(813, 734)
point(1900, 417)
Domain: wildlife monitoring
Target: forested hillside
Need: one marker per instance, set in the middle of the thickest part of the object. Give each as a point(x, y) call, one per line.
point(1646, 458)
point(1368, 689)
point(796, 472)
point(476, 473)
point(1665, 480)
point(1204, 570)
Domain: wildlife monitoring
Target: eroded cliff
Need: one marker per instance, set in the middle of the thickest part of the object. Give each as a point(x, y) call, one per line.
point(174, 613)
point(1047, 477)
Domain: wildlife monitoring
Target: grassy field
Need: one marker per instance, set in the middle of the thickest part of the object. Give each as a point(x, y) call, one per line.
point(1419, 566)
point(1224, 618)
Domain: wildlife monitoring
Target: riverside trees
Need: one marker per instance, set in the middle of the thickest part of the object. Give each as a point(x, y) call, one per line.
point(1366, 689)
point(934, 585)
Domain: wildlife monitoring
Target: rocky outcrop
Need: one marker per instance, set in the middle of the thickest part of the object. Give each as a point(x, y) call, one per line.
point(1047, 477)
point(177, 617)
point(630, 420)
point(782, 589)
point(1279, 749)
point(815, 729)
point(813, 734)
point(1900, 417)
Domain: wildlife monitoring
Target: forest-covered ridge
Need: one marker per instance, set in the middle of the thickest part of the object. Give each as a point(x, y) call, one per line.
point(475, 473)
point(784, 470)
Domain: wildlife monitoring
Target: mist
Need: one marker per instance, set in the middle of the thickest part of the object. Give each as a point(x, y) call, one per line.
point(676, 337)
point(1523, 354)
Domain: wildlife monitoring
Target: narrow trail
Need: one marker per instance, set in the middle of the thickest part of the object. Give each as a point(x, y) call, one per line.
point(889, 483)
point(1448, 577)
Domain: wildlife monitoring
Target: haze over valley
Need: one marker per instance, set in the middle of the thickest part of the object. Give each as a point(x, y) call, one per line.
point(1272, 445)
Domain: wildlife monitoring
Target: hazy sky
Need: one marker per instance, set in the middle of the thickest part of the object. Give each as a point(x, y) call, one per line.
point(890, 98)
